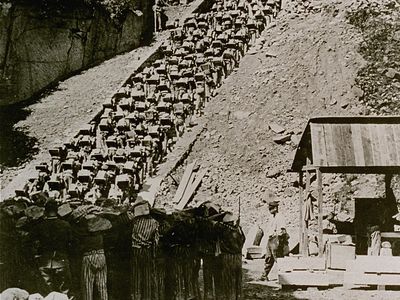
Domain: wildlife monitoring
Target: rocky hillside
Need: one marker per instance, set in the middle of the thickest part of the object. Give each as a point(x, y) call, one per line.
point(41, 44)
point(308, 64)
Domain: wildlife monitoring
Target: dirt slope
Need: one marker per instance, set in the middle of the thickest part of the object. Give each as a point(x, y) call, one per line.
point(309, 64)
point(304, 66)
point(60, 112)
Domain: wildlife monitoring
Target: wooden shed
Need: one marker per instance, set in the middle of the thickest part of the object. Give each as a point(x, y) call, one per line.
point(350, 144)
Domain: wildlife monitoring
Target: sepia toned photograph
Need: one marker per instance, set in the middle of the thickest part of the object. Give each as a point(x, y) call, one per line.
point(199, 149)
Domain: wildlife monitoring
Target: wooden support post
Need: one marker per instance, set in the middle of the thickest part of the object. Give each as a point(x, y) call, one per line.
point(301, 218)
point(305, 238)
point(320, 241)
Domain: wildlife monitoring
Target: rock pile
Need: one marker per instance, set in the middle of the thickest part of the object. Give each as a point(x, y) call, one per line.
point(312, 72)
point(379, 79)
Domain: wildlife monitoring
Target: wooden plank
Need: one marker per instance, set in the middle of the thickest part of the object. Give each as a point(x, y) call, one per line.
point(301, 221)
point(380, 133)
point(377, 264)
point(396, 133)
point(351, 266)
point(391, 146)
point(383, 135)
point(184, 182)
point(331, 155)
point(338, 143)
point(367, 146)
point(390, 235)
point(356, 278)
point(346, 134)
point(305, 239)
point(318, 145)
point(341, 139)
point(336, 277)
point(357, 145)
point(304, 278)
point(191, 189)
point(189, 184)
point(338, 255)
point(375, 143)
point(288, 264)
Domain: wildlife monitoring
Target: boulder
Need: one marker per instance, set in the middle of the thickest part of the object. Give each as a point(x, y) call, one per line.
point(281, 138)
point(392, 73)
point(273, 172)
point(276, 128)
point(241, 114)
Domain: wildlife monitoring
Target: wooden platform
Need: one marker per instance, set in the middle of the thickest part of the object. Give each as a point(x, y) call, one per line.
point(307, 271)
point(304, 278)
point(380, 271)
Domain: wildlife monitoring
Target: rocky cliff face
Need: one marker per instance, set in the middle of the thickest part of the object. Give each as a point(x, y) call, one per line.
point(38, 50)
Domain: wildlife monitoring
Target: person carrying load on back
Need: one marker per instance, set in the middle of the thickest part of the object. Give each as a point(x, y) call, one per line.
point(218, 67)
point(57, 154)
point(278, 239)
point(145, 238)
point(200, 92)
point(94, 266)
point(206, 241)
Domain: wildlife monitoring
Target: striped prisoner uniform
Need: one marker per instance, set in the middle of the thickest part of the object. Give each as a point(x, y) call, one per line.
point(94, 267)
point(145, 238)
point(94, 272)
point(182, 280)
point(206, 245)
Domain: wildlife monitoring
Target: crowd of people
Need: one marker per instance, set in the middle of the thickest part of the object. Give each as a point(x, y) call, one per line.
point(124, 252)
point(111, 156)
point(79, 213)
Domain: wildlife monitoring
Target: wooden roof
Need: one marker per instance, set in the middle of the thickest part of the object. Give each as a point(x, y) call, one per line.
point(350, 144)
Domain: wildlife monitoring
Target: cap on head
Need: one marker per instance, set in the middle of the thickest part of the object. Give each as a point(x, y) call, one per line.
point(211, 207)
point(273, 204)
point(328, 216)
point(141, 208)
point(229, 217)
point(51, 206)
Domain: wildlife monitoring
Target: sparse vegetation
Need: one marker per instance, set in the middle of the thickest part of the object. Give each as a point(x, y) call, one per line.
point(380, 77)
point(116, 9)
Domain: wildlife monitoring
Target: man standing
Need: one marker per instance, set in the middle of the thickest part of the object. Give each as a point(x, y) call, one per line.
point(145, 238)
point(53, 237)
point(278, 239)
point(94, 267)
point(229, 262)
point(158, 15)
point(207, 245)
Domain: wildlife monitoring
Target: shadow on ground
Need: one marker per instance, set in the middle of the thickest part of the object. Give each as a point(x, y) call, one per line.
point(16, 146)
point(254, 289)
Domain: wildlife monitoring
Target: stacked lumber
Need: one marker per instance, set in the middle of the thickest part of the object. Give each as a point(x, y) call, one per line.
point(190, 181)
point(378, 271)
point(302, 271)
